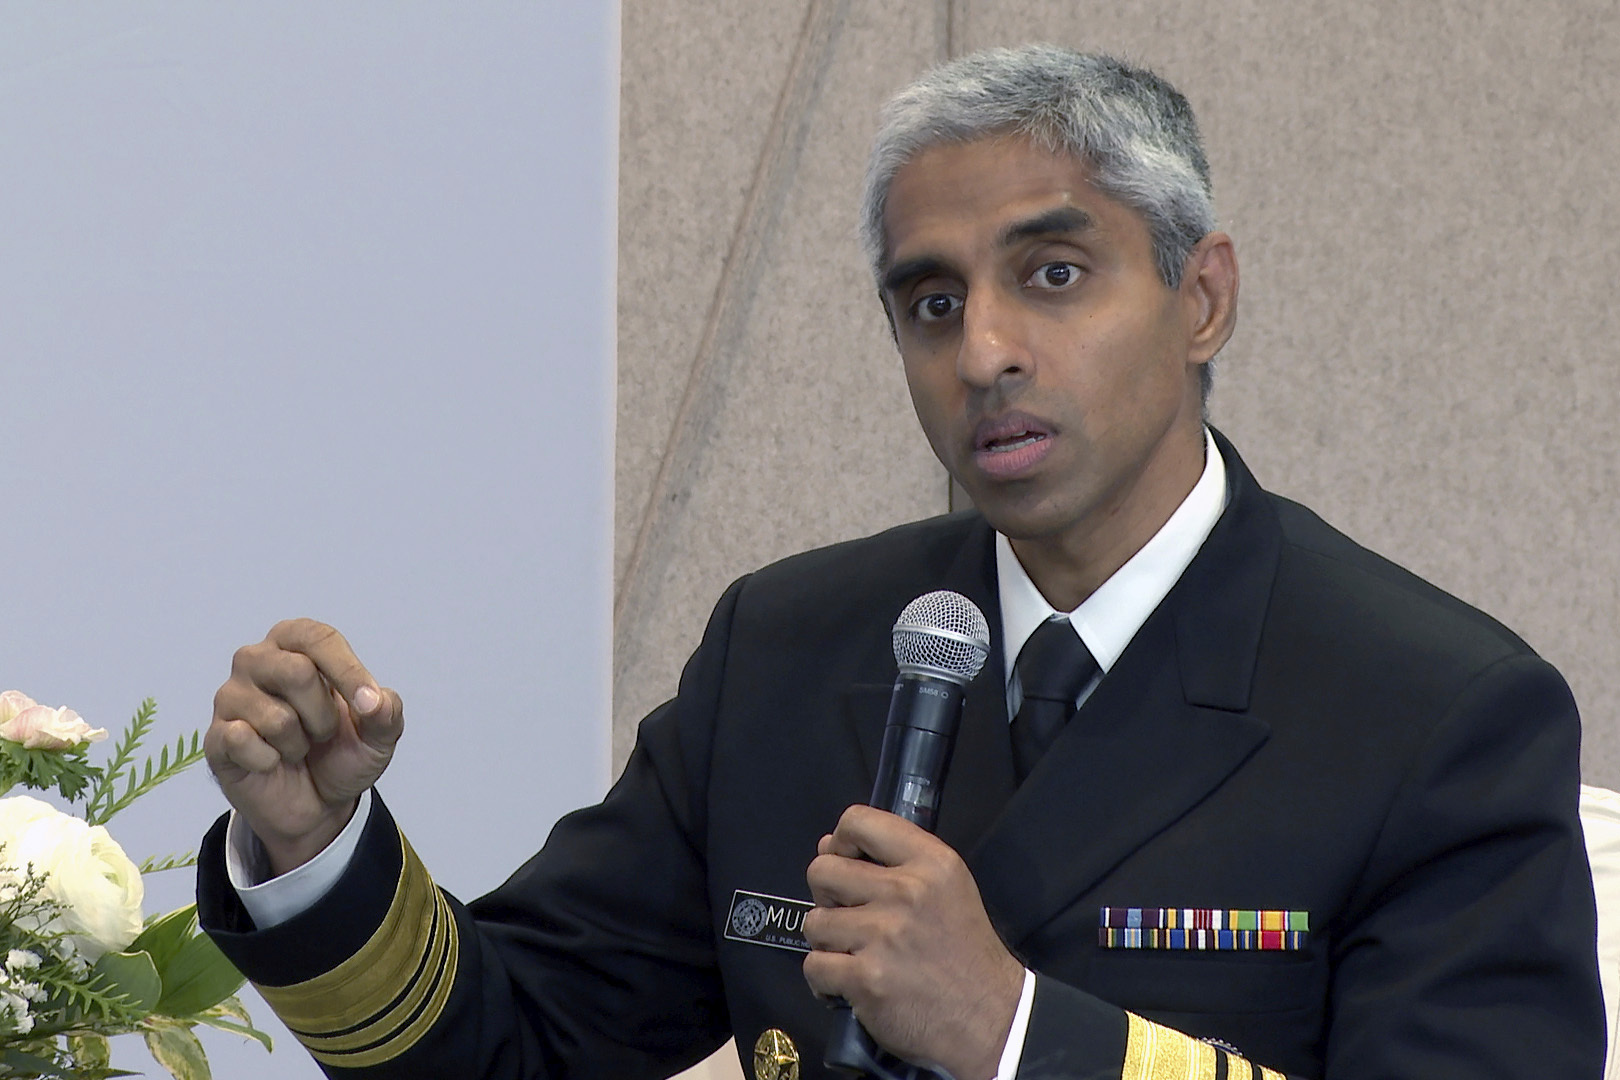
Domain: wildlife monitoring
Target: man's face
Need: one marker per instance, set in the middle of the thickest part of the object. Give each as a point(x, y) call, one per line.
point(1053, 371)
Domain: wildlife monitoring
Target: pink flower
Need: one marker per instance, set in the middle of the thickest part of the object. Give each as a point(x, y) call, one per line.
point(40, 727)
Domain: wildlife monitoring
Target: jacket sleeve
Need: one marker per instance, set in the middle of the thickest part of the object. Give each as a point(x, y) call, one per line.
point(597, 958)
point(1469, 946)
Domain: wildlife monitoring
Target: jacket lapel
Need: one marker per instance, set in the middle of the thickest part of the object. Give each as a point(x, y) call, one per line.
point(1165, 727)
point(1133, 760)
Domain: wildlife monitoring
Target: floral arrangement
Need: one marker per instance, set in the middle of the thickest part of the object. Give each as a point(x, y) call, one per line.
point(80, 962)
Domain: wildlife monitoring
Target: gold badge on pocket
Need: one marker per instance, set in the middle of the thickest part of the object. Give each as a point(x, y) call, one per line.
point(775, 1056)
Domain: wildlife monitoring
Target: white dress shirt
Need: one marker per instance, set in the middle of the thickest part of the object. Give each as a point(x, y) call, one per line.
point(1106, 621)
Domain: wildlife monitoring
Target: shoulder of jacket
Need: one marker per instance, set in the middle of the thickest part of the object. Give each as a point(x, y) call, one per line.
point(859, 576)
point(1366, 580)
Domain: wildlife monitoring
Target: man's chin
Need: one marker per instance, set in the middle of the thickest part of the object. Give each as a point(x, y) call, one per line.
point(1014, 518)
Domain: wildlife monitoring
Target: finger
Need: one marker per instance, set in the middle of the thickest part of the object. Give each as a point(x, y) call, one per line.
point(336, 661)
point(839, 929)
point(219, 761)
point(271, 718)
point(836, 843)
point(867, 832)
point(234, 744)
point(842, 881)
point(382, 727)
point(290, 677)
point(830, 974)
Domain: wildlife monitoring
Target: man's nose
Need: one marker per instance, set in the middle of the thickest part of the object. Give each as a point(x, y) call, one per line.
point(993, 346)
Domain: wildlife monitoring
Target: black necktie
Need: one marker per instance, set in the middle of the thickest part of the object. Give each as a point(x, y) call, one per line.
point(1052, 667)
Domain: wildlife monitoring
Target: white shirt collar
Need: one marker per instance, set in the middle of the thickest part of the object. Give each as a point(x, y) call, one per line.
point(1108, 618)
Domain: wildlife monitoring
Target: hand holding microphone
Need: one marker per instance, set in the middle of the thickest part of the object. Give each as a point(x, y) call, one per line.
point(900, 932)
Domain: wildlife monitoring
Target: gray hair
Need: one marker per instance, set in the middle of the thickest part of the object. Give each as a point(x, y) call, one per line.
point(1133, 130)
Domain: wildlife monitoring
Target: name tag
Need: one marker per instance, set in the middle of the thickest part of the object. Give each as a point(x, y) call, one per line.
point(762, 919)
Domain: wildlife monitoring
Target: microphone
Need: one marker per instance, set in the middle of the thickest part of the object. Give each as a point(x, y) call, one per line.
point(941, 640)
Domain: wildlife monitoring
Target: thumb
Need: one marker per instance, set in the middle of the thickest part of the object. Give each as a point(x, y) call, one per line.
point(379, 717)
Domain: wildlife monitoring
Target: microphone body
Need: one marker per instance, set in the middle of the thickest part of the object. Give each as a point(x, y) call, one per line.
point(924, 712)
point(941, 640)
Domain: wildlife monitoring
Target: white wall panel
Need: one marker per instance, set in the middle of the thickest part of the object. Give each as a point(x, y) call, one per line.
point(307, 309)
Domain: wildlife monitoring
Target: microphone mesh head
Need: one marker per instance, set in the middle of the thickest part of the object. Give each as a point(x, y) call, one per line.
point(943, 634)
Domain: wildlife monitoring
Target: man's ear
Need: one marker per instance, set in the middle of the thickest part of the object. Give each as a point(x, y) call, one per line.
point(1209, 285)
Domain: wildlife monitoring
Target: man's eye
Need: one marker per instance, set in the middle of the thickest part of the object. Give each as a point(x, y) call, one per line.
point(936, 306)
point(1055, 275)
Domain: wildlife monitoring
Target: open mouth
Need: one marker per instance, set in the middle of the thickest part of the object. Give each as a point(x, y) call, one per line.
point(1011, 446)
point(1016, 441)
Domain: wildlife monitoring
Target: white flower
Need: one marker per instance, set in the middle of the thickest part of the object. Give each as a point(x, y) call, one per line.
point(84, 870)
point(14, 1014)
point(21, 960)
point(13, 702)
point(40, 727)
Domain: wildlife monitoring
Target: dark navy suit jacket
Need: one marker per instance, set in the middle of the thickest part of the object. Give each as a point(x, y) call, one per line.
point(1300, 725)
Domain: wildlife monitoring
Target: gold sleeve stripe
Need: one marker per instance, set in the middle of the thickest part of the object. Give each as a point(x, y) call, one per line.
point(376, 1004)
point(400, 1012)
point(1155, 1052)
point(404, 1024)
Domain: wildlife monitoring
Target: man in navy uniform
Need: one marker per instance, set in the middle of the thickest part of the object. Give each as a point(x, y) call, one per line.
point(1234, 797)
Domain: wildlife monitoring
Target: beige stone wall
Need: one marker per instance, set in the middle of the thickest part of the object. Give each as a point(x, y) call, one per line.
point(1424, 199)
point(760, 411)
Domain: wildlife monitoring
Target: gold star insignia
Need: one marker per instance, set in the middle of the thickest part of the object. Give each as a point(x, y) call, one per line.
point(775, 1056)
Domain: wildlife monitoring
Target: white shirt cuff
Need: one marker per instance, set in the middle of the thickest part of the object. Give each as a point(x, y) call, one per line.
point(273, 900)
point(1013, 1052)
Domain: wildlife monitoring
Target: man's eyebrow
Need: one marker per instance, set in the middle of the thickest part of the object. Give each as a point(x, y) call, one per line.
point(1063, 220)
point(901, 274)
point(1059, 221)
